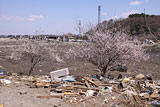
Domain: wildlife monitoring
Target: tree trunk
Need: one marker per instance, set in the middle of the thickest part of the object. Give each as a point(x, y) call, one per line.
point(31, 69)
point(103, 72)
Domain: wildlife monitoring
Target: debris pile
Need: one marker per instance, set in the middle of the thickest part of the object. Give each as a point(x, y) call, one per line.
point(141, 89)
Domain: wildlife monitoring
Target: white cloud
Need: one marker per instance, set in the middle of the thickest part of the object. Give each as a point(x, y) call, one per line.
point(126, 14)
point(123, 15)
point(34, 17)
point(133, 3)
point(11, 18)
point(19, 18)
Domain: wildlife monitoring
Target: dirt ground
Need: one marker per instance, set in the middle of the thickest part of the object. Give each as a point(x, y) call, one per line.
point(20, 95)
point(77, 68)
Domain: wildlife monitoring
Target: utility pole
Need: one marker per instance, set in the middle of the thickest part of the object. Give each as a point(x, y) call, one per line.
point(99, 14)
point(149, 29)
point(79, 28)
point(144, 17)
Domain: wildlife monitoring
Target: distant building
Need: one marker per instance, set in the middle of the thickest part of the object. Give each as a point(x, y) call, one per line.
point(69, 37)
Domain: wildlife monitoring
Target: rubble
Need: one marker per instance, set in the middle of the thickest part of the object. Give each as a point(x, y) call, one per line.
point(5, 81)
point(140, 76)
point(55, 75)
point(155, 104)
point(79, 89)
point(90, 93)
point(2, 72)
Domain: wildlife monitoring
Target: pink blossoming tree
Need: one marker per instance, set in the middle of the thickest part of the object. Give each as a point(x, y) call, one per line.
point(108, 51)
point(35, 51)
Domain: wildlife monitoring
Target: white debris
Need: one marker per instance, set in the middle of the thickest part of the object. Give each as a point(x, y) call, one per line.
point(5, 81)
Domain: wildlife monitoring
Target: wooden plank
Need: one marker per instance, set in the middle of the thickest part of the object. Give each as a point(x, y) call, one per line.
point(88, 79)
point(51, 96)
point(107, 85)
point(155, 96)
point(68, 93)
point(78, 83)
point(86, 82)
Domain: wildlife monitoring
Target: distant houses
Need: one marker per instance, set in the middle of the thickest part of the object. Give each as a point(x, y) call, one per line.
point(69, 37)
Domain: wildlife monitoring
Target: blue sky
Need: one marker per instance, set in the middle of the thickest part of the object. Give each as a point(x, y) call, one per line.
point(61, 16)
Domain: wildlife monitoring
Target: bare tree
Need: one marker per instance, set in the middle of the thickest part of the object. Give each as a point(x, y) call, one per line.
point(34, 51)
point(108, 51)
